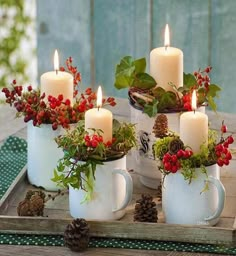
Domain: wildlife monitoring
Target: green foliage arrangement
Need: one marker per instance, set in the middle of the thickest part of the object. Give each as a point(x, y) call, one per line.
point(13, 23)
point(83, 152)
point(173, 156)
point(146, 95)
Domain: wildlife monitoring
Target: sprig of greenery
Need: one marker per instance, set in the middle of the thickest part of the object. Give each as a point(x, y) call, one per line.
point(78, 165)
point(152, 99)
point(131, 73)
point(206, 156)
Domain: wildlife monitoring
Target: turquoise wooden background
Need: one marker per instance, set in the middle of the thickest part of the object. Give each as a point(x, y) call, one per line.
point(97, 33)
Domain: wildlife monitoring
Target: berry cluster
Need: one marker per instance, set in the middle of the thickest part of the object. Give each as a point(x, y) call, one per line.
point(93, 140)
point(222, 149)
point(73, 70)
point(172, 163)
point(203, 83)
point(53, 110)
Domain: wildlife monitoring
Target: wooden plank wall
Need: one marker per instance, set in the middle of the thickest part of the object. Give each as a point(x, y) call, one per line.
point(97, 33)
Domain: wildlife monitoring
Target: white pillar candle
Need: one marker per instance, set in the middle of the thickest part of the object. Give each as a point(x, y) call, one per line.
point(194, 127)
point(99, 118)
point(57, 82)
point(166, 65)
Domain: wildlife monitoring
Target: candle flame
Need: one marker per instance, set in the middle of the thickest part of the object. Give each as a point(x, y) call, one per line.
point(99, 97)
point(56, 61)
point(167, 36)
point(194, 100)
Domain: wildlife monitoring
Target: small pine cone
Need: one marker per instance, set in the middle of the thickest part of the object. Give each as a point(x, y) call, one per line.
point(160, 128)
point(30, 193)
point(23, 208)
point(76, 235)
point(145, 209)
point(175, 145)
point(36, 205)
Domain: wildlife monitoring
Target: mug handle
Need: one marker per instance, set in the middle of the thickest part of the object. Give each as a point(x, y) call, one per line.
point(221, 197)
point(128, 188)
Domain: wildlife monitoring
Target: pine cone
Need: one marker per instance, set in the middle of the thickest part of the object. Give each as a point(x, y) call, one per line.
point(145, 209)
point(160, 128)
point(76, 235)
point(36, 205)
point(175, 145)
point(23, 208)
point(33, 204)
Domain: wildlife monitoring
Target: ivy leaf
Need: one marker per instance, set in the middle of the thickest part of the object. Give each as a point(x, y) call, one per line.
point(189, 80)
point(131, 73)
point(124, 73)
point(212, 103)
point(167, 100)
point(158, 92)
point(213, 90)
point(151, 108)
point(140, 65)
point(144, 80)
point(125, 64)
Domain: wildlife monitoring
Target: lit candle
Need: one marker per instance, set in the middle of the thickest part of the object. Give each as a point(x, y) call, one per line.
point(99, 118)
point(194, 127)
point(57, 82)
point(166, 64)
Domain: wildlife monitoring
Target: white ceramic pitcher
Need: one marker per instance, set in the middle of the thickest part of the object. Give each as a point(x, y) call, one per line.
point(112, 193)
point(183, 203)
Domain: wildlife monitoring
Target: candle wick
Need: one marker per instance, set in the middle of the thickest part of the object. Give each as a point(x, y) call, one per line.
point(56, 71)
point(98, 108)
point(194, 111)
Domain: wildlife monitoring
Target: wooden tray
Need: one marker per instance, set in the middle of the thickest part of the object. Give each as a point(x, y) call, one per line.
point(58, 217)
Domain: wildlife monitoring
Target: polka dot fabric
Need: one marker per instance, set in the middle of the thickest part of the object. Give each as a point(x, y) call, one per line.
point(13, 157)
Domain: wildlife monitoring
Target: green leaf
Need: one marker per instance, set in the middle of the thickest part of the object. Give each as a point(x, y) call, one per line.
point(151, 108)
point(123, 81)
point(167, 100)
point(189, 80)
point(140, 65)
point(212, 103)
point(144, 81)
point(213, 90)
point(131, 73)
point(125, 63)
point(124, 73)
point(158, 92)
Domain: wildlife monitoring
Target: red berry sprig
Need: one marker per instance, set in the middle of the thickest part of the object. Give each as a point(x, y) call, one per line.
point(202, 82)
point(172, 163)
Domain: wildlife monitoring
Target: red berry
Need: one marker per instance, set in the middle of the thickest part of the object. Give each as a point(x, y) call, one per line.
point(174, 169)
point(174, 158)
point(228, 155)
point(224, 128)
point(230, 139)
point(226, 161)
point(180, 153)
point(14, 81)
point(220, 162)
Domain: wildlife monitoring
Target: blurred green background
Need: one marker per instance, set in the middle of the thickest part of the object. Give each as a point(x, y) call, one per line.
point(97, 33)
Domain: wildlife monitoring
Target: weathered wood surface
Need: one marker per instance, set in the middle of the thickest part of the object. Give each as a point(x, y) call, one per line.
point(7, 250)
point(58, 217)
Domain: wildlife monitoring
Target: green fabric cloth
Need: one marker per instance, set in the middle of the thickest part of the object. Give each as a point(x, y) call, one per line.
point(13, 157)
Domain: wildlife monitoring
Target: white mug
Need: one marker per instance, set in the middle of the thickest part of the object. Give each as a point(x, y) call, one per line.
point(185, 203)
point(112, 193)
